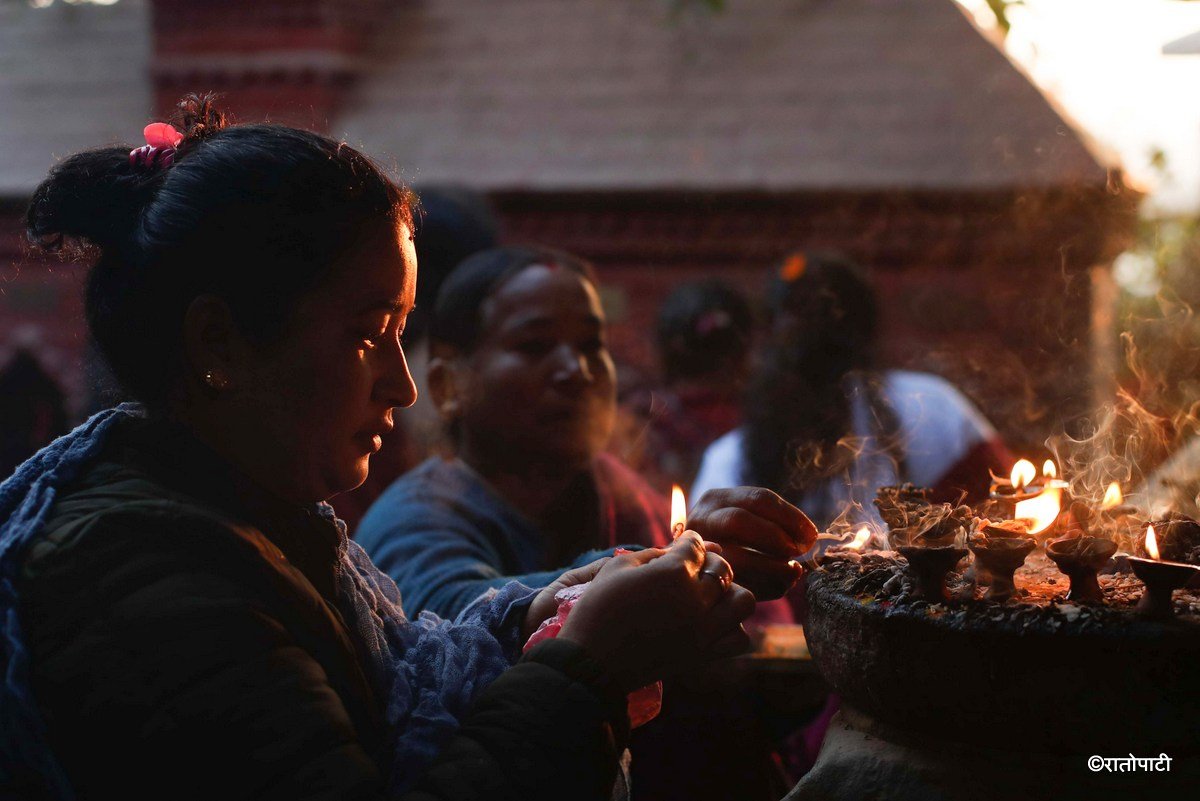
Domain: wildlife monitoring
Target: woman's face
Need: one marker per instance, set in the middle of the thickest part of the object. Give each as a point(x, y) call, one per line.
point(540, 385)
point(316, 401)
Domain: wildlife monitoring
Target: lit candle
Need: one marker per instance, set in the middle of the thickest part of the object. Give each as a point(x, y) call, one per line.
point(1161, 578)
point(678, 512)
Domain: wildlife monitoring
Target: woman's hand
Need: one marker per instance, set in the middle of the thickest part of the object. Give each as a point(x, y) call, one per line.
point(657, 612)
point(760, 534)
point(545, 605)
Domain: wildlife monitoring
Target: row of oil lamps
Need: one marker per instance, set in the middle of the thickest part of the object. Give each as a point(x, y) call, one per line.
point(1031, 507)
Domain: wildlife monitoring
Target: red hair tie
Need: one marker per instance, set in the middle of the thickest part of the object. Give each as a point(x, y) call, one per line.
point(159, 151)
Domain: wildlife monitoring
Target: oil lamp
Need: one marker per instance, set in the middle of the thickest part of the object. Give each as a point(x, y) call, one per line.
point(999, 550)
point(929, 565)
point(1081, 558)
point(1161, 578)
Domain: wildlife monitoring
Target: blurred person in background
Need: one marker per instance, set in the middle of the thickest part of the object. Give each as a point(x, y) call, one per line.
point(32, 410)
point(521, 373)
point(704, 334)
point(824, 425)
point(450, 224)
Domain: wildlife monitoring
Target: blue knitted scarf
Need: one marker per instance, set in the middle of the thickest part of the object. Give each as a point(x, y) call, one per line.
point(427, 671)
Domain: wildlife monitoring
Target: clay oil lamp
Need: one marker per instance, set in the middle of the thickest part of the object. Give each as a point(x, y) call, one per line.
point(931, 555)
point(1000, 548)
point(1081, 558)
point(1161, 578)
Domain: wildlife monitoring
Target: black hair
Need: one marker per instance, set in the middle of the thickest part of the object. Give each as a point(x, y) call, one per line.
point(257, 215)
point(453, 224)
point(823, 327)
point(703, 327)
point(457, 314)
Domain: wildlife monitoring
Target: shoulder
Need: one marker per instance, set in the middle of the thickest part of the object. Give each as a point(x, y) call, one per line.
point(927, 401)
point(722, 465)
point(725, 447)
point(126, 514)
point(441, 503)
point(433, 494)
point(620, 475)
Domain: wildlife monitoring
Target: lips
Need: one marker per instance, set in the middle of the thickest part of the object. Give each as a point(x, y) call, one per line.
point(373, 437)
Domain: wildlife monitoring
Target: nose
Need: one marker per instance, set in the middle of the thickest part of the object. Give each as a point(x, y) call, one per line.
point(394, 384)
point(571, 368)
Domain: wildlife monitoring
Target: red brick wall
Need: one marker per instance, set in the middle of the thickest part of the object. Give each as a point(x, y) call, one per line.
point(991, 291)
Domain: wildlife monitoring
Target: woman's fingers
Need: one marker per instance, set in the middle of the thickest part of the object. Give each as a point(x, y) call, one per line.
point(768, 577)
point(754, 517)
point(726, 615)
point(582, 575)
point(715, 579)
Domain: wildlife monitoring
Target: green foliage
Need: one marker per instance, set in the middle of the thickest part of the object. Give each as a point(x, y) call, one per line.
point(1000, 9)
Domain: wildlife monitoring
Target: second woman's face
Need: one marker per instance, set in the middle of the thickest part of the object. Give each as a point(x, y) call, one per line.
point(540, 386)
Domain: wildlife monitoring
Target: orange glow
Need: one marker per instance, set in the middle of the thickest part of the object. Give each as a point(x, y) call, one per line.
point(860, 539)
point(1152, 544)
point(1049, 469)
point(1112, 496)
point(1042, 510)
point(678, 511)
point(1023, 473)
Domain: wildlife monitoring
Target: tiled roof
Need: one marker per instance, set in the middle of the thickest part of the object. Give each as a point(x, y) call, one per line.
point(770, 94)
point(71, 77)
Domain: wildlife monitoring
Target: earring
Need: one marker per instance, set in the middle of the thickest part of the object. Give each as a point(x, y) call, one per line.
point(215, 380)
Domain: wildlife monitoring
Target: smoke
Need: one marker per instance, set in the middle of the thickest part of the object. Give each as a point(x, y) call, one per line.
point(1146, 438)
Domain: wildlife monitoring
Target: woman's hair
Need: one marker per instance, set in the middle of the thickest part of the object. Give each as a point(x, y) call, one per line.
point(823, 324)
point(257, 215)
point(703, 328)
point(457, 314)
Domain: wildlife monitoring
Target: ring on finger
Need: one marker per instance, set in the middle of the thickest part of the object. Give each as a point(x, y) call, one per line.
point(720, 575)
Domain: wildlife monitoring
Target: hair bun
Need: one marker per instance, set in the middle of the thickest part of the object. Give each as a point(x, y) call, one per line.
point(198, 117)
point(95, 197)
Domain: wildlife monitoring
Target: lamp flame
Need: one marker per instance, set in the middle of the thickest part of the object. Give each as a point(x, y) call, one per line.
point(860, 539)
point(1152, 544)
point(1023, 474)
point(678, 511)
point(1049, 469)
point(1112, 496)
point(1041, 510)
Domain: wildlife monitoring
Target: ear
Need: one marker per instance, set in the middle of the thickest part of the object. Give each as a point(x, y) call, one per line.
point(445, 384)
point(211, 343)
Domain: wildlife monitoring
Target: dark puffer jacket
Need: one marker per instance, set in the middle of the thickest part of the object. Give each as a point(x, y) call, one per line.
point(185, 643)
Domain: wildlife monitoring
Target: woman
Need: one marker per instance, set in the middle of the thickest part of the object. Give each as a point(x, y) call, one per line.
point(522, 377)
point(824, 426)
point(525, 385)
point(183, 615)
